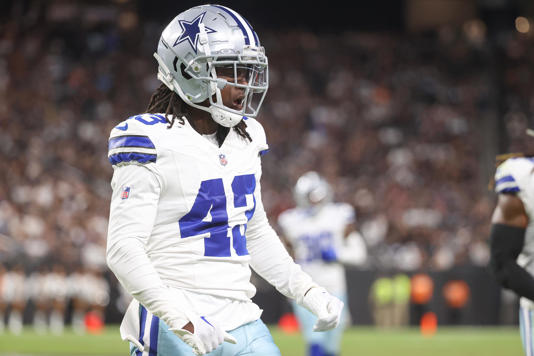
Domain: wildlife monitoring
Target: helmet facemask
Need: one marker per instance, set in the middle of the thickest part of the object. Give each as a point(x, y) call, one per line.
point(219, 59)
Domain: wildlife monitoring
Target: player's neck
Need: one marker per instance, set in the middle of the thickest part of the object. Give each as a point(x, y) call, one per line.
point(202, 122)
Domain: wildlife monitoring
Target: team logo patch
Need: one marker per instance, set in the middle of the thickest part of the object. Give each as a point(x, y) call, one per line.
point(222, 160)
point(125, 193)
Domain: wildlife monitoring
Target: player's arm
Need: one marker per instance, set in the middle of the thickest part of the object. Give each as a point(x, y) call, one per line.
point(130, 224)
point(509, 222)
point(288, 245)
point(282, 224)
point(134, 204)
point(354, 251)
point(273, 263)
point(131, 220)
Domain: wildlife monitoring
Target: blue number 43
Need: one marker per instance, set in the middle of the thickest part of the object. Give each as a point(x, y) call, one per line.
point(211, 199)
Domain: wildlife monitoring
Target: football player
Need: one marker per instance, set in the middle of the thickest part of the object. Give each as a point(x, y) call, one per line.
point(322, 236)
point(186, 218)
point(512, 237)
point(56, 286)
point(15, 293)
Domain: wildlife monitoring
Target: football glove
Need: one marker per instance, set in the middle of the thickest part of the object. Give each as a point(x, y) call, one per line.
point(206, 337)
point(329, 255)
point(325, 306)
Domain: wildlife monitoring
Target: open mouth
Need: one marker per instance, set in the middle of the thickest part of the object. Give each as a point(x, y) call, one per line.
point(237, 104)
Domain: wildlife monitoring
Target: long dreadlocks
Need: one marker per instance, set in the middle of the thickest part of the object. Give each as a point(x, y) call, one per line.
point(168, 102)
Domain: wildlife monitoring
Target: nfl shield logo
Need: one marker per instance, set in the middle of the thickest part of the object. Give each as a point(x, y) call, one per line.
point(222, 160)
point(125, 193)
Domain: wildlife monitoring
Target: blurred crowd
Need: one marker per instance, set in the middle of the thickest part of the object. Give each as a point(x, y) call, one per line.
point(47, 297)
point(400, 124)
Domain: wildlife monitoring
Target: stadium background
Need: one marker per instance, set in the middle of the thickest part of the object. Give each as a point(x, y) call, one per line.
point(402, 105)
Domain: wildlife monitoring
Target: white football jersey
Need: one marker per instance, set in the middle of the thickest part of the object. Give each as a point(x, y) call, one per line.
point(56, 287)
point(515, 176)
point(310, 233)
point(14, 287)
point(191, 210)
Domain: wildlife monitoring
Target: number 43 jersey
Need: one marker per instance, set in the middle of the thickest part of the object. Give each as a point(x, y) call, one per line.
point(189, 201)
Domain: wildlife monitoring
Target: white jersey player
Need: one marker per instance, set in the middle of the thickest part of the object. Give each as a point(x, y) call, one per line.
point(512, 237)
point(186, 219)
point(322, 237)
point(15, 293)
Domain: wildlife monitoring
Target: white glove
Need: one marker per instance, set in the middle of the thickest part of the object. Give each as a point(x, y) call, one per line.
point(206, 337)
point(325, 306)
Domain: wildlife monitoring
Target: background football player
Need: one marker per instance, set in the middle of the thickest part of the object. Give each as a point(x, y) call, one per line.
point(512, 237)
point(187, 220)
point(322, 236)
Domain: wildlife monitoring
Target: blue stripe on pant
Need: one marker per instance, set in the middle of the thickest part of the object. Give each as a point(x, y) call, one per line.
point(150, 344)
point(253, 338)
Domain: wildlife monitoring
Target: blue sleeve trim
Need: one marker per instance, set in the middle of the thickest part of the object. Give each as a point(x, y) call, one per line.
point(132, 156)
point(130, 141)
point(509, 190)
point(262, 152)
point(505, 179)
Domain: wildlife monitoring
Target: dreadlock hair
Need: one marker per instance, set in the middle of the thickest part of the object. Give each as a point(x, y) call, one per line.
point(166, 101)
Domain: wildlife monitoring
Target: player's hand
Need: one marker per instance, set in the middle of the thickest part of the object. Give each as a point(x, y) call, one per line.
point(329, 254)
point(325, 306)
point(206, 336)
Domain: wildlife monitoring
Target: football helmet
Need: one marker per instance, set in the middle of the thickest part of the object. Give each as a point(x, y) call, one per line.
point(206, 48)
point(312, 190)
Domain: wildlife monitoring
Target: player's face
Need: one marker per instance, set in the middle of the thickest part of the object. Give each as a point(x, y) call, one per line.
point(233, 96)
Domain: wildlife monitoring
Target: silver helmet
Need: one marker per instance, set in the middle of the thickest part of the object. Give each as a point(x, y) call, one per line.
point(204, 43)
point(312, 190)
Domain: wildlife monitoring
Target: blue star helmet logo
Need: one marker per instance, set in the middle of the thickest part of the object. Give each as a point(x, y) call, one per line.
point(191, 30)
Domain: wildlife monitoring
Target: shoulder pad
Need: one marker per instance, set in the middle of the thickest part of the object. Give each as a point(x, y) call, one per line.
point(347, 212)
point(256, 131)
point(510, 175)
point(130, 143)
point(284, 219)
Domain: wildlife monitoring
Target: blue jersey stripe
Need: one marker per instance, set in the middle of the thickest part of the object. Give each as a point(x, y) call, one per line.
point(154, 331)
point(132, 156)
point(505, 179)
point(508, 190)
point(262, 152)
point(239, 23)
point(130, 141)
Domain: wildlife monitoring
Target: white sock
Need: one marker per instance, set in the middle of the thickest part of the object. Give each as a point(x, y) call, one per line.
point(15, 322)
point(56, 322)
point(78, 322)
point(39, 322)
point(2, 324)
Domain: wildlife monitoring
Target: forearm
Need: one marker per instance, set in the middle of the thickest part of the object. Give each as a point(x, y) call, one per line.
point(272, 262)
point(132, 267)
point(518, 280)
point(506, 244)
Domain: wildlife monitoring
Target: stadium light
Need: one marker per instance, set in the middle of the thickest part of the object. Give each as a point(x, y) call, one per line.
point(522, 24)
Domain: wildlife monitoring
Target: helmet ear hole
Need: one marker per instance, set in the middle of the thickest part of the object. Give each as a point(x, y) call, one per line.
point(174, 63)
point(184, 73)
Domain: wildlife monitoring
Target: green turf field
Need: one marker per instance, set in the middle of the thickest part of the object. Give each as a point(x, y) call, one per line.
point(356, 341)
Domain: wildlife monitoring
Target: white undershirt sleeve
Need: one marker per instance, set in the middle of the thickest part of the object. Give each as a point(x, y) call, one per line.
point(134, 205)
point(270, 259)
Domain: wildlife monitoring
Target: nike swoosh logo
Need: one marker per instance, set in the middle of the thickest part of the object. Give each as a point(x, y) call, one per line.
point(122, 128)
